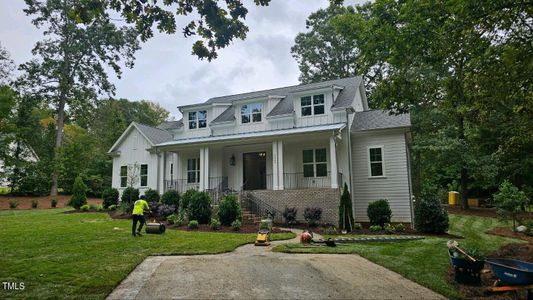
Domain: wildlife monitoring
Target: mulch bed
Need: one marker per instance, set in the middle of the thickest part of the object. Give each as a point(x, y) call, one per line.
point(481, 212)
point(44, 201)
point(507, 232)
point(245, 228)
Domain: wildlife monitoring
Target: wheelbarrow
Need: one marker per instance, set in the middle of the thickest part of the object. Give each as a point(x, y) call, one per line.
point(514, 274)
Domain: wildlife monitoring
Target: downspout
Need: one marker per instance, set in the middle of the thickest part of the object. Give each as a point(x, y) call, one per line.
point(408, 154)
point(348, 112)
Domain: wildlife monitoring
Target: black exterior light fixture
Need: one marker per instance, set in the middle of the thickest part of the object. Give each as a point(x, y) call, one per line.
point(232, 160)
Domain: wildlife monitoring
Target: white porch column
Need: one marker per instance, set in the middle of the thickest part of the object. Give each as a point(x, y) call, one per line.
point(333, 162)
point(163, 173)
point(204, 169)
point(275, 173)
point(280, 166)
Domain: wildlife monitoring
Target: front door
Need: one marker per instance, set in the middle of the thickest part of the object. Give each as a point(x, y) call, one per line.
point(254, 171)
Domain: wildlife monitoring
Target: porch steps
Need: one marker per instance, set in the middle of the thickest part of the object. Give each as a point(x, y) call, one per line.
point(249, 218)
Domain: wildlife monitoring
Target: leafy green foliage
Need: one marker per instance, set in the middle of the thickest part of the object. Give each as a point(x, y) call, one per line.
point(312, 215)
point(199, 207)
point(510, 201)
point(13, 204)
point(34, 203)
point(172, 219)
point(289, 215)
point(379, 212)
point(321, 53)
point(193, 224)
point(187, 197)
point(357, 226)
point(53, 202)
point(130, 195)
point(151, 195)
point(229, 210)
point(78, 194)
point(375, 228)
point(110, 197)
point(85, 207)
point(214, 224)
point(430, 217)
point(112, 207)
point(399, 227)
point(171, 197)
point(346, 220)
point(389, 229)
point(236, 225)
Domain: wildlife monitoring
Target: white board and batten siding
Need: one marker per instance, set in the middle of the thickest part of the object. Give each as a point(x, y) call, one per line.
point(133, 150)
point(394, 186)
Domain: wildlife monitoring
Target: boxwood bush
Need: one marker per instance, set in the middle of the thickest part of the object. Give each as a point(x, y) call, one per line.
point(151, 195)
point(193, 224)
point(110, 197)
point(379, 212)
point(199, 207)
point(430, 217)
point(171, 198)
point(229, 210)
point(130, 195)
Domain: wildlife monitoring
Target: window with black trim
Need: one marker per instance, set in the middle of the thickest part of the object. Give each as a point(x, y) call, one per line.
point(315, 163)
point(123, 176)
point(144, 175)
point(375, 157)
point(251, 113)
point(312, 105)
point(193, 170)
point(198, 119)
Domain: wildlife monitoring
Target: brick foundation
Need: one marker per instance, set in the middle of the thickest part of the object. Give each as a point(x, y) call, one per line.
point(326, 198)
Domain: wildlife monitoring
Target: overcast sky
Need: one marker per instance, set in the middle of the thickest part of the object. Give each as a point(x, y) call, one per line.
point(165, 71)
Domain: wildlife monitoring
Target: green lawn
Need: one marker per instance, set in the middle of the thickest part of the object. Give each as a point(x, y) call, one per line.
point(87, 255)
point(424, 261)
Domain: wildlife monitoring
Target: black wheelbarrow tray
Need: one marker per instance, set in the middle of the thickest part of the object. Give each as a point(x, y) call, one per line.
point(512, 271)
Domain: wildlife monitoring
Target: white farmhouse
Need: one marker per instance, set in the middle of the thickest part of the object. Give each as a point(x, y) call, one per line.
point(292, 146)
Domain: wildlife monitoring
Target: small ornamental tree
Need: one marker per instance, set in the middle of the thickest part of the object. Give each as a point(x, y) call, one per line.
point(430, 217)
point(110, 197)
point(346, 221)
point(379, 212)
point(229, 210)
point(78, 198)
point(510, 201)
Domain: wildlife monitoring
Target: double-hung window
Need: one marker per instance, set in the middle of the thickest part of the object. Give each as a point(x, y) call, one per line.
point(251, 113)
point(375, 159)
point(193, 170)
point(315, 163)
point(123, 176)
point(144, 175)
point(198, 119)
point(312, 105)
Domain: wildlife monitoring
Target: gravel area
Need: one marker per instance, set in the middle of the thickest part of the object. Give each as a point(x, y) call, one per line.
point(252, 272)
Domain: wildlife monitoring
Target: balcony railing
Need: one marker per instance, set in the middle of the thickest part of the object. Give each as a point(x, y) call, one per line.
point(216, 188)
point(180, 185)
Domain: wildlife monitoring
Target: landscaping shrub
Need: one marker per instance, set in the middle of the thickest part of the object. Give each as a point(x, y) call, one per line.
point(159, 210)
point(375, 228)
point(93, 206)
point(85, 207)
point(430, 217)
point(265, 225)
point(171, 198)
point(125, 208)
point(330, 230)
point(172, 219)
point(379, 212)
point(229, 210)
point(151, 195)
point(34, 203)
point(199, 207)
point(215, 224)
point(346, 220)
point(357, 226)
point(193, 224)
point(78, 194)
point(13, 204)
point(112, 207)
point(182, 218)
point(399, 227)
point(389, 228)
point(110, 197)
point(289, 214)
point(236, 225)
point(510, 201)
point(187, 197)
point(130, 195)
point(53, 202)
point(312, 215)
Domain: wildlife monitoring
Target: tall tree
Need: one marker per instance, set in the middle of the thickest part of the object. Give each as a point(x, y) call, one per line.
point(6, 66)
point(323, 54)
point(441, 55)
point(73, 59)
point(215, 22)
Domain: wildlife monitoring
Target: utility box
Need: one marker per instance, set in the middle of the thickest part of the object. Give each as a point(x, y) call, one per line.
point(453, 198)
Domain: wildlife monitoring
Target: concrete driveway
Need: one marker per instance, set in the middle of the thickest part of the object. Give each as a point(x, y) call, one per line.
point(252, 272)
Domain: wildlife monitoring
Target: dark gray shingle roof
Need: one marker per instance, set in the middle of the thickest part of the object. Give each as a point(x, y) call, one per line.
point(155, 135)
point(379, 119)
point(226, 116)
point(171, 125)
point(285, 106)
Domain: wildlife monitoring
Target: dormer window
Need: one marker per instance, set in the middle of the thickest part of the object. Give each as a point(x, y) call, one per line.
point(312, 105)
point(198, 119)
point(251, 113)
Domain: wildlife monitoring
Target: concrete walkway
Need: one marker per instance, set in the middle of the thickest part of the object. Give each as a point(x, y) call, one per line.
point(252, 272)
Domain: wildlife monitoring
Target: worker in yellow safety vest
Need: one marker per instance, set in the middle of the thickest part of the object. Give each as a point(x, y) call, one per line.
point(138, 215)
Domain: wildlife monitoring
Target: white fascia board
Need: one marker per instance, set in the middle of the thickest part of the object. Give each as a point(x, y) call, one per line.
point(259, 134)
point(281, 117)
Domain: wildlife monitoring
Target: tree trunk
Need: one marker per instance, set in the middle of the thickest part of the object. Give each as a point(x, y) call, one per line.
point(464, 171)
point(57, 146)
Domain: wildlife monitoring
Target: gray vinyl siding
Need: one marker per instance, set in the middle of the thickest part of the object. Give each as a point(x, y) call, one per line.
point(394, 186)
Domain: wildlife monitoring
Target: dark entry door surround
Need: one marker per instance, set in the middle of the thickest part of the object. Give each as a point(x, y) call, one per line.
point(254, 171)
